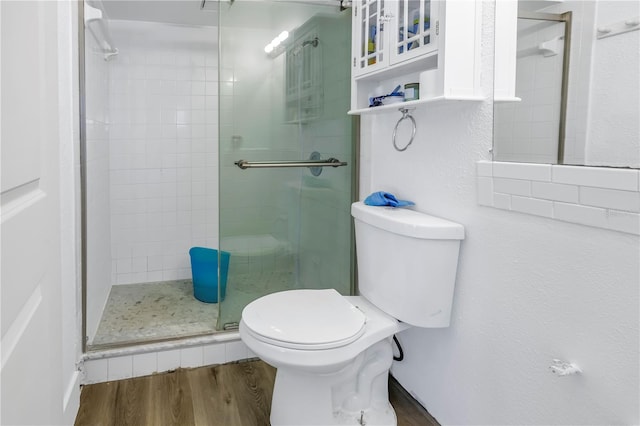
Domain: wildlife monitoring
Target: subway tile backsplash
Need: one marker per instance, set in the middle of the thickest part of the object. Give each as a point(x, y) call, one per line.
point(599, 177)
point(591, 196)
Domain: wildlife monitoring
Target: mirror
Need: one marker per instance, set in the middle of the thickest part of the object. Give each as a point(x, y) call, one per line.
point(567, 90)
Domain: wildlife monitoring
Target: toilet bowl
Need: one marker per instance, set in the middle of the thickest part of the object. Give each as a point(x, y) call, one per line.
point(333, 352)
point(333, 358)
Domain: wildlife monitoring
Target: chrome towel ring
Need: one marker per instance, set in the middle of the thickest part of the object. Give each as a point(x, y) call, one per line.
point(405, 115)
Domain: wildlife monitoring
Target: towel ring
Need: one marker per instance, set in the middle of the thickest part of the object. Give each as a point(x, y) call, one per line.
point(405, 115)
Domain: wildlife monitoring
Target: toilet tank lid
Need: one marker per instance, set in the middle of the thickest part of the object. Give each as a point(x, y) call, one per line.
point(407, 222)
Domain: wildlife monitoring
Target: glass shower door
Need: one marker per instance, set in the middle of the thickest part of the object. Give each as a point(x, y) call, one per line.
point(284, 94)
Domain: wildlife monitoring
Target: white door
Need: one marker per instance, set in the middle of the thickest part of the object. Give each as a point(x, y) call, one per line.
point(33, 388)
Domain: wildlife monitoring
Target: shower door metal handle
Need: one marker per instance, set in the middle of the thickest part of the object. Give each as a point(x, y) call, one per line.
point(330, 162)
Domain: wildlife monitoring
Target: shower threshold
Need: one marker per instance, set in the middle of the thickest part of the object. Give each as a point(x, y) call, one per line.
point(153, 312)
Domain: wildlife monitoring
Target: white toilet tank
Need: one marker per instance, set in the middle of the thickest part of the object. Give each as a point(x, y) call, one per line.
point(407, 262)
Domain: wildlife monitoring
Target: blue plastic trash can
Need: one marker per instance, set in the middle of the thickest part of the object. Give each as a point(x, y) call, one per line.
point(204, 269)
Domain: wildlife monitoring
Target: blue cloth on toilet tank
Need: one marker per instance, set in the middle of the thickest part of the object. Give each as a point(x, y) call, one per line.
point(382, 198)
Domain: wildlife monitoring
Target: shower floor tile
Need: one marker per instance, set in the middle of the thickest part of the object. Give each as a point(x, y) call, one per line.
point(155, 311)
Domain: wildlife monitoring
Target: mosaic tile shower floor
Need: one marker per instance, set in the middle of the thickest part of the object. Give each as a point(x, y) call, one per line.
point(152, 312)
point(137, 313)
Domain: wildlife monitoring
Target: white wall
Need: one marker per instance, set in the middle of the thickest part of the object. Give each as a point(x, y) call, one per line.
point(528, 290)
point(614, 132)
point(163, 148)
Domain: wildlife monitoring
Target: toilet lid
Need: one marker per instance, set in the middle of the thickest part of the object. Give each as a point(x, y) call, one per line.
point(313, 319)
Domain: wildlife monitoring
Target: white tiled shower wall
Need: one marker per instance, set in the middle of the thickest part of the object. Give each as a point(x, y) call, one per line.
point(163, 149)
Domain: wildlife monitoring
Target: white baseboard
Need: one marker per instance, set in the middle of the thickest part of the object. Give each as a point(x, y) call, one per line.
point(71, 401)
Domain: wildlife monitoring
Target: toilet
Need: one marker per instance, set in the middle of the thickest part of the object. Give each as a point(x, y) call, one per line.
point(333, 352)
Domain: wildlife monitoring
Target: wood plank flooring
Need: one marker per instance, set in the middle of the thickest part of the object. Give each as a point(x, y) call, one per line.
point(236, 394)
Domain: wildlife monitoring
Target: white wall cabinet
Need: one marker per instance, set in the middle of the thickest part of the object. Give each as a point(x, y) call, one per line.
point(389, 32)
point(432, 42)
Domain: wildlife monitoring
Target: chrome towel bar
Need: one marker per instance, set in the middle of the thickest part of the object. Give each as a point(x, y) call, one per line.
point(331, 162)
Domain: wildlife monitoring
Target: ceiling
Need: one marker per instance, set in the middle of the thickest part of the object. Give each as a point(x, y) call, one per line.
point(184, 12)
point(191, 12)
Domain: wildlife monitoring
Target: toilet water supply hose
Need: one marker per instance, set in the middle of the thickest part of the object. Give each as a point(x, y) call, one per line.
point(400, 357)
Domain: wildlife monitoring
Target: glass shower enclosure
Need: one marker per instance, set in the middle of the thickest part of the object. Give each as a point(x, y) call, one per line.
point(286, 150)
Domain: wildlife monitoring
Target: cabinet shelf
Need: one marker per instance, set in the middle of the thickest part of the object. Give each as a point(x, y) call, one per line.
point(413, 104)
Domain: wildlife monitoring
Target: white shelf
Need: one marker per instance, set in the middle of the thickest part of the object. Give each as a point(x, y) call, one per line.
point(500, 99)
point(413, 104)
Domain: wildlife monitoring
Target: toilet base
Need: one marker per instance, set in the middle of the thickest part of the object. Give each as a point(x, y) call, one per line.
point(379, 416)
point(356, 394)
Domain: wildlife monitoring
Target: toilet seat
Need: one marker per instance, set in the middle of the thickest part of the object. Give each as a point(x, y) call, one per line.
point(304, 319)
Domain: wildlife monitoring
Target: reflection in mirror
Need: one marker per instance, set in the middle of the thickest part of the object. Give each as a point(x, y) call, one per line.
point(579, 108)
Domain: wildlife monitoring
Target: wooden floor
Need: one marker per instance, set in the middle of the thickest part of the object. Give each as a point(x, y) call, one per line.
point(226, 395)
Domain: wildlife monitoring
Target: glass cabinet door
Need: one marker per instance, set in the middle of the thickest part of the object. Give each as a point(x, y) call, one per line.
point(369, 25)
point(415, 29)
